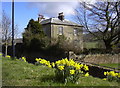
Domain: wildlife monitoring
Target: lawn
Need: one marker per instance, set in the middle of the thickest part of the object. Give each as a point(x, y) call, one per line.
point(19, 73)
point(112, 65)
point(90, 45)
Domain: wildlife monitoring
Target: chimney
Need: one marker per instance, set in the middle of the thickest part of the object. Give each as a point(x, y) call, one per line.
point(61, 16)
point(40, 18)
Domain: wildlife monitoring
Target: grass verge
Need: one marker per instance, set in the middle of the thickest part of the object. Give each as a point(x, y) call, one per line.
point(113, 65)
point(18, 73)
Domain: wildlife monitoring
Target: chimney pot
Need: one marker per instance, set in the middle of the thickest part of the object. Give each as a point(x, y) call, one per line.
point(40, 18)
point(61, 16)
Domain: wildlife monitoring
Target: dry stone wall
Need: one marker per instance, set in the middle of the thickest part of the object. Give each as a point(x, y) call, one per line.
point(97, 58)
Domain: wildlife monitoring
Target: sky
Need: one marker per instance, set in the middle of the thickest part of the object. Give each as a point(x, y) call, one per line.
point(24, 11)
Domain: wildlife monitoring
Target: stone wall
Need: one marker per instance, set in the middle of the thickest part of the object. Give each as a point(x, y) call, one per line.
point(97, 58)
point(93, 61)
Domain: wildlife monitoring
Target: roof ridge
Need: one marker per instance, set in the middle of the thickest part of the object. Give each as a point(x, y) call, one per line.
point(57, 21)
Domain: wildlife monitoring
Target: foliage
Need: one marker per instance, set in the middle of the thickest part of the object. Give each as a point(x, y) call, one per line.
point(63, 42)
point(111, 76)
point(33, 37)
point(66, 70)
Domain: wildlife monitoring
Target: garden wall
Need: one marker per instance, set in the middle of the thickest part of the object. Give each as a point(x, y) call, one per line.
point(98, 71)
point(93, 62)
point(96, 58)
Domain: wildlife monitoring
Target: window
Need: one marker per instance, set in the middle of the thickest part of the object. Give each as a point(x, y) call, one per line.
point(60, 30)
point(75, 32)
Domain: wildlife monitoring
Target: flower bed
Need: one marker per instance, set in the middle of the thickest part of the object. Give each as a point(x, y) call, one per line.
point(66, 70)
point(112, 76)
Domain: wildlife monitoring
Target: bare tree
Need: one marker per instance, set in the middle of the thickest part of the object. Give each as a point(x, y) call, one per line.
point(6, 30)
point(102, 17)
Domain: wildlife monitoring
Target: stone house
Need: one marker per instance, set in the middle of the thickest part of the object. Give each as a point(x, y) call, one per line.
point(54, 27)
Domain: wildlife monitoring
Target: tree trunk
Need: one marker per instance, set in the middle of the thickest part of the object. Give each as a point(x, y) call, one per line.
point(6, 48)
point(108, 46)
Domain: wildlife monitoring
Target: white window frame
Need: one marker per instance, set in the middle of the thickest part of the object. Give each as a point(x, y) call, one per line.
point(60, 30)
point(75, 31)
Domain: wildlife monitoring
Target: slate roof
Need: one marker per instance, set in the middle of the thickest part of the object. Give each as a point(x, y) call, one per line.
point(58, 21)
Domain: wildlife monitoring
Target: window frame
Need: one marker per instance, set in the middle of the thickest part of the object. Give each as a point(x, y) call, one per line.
point(60, 30)
point(75, 31)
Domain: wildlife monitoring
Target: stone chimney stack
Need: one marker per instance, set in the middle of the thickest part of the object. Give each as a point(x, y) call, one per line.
point(40, 18)
point(61, 16)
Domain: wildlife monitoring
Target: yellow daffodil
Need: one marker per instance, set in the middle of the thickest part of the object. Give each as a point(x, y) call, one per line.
point(86, 68)
point(49, 66)
point(37, 59)
point(116, 74)
point(112, 73)
point(66, 60)
point(61, 67)
point(105, 73)
point(104, 79)
point(119, 75)
point(0, 54)
point(72, 71)
point(77, 66)
point(24, 59)
point(81, 71)
point(58, 62)
point(7, 56)
point(53, 64)
point(87, 74)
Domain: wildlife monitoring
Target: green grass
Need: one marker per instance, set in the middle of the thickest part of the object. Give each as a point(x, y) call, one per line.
point(18, 73)
point(89, 45)
point(113, 65)
point(0, 71)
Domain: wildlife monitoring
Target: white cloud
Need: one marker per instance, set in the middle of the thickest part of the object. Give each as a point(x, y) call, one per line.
point(88, 1)
point(51, 9)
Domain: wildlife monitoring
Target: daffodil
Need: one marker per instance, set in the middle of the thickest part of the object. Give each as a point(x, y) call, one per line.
point(49, 66)
point(112, 73)
point(58, 62)
point(0, 54)
point(81, 71)
point(116, 74)
point(61, 67)
point(53, 64)
point(77, 66)
point(104, 79)
point(24, 59)
point(86, 68)
point(37, 59)
point(7, 56)
point(87, 74)
point(72, 71)
point(119, 75)
point(105, 73)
